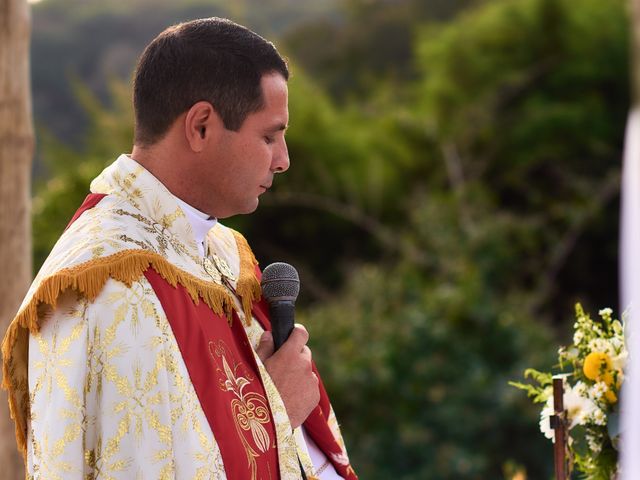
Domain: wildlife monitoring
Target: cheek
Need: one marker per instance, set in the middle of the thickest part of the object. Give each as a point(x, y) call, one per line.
point(249, 162)
point(258, 158)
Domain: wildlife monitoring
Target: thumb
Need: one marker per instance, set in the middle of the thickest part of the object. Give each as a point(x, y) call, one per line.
point(265, 347)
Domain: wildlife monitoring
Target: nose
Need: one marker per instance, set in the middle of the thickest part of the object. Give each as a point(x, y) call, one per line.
point(280, 162)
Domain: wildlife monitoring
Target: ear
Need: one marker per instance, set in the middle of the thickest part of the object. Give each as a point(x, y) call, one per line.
point(201, 125)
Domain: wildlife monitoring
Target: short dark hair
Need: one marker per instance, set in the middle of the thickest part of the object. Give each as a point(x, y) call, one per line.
point(210, 59)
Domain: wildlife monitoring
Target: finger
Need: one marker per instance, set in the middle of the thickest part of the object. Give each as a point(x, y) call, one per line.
point(306, 353)
point(298, 339)
point(265, 346)
point(301, 330)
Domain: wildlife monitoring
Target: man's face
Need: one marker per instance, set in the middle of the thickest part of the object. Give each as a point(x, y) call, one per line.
point(247, 159)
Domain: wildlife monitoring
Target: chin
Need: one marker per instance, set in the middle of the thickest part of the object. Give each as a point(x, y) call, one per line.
point(230, 211)
point(249, 207)
point(254, 206)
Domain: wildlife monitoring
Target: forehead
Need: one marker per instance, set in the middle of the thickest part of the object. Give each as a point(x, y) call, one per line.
point(275, 98)
point(274, 88)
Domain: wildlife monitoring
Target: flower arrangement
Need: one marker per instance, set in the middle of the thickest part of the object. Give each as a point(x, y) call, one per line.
point(593, 367)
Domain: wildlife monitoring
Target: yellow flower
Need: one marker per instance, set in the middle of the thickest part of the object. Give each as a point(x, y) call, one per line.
point(594, 365)
point(610, 396)
point(607, 378)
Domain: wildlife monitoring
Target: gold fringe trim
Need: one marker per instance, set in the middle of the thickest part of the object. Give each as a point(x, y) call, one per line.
point(88, 279)
point(15, 381)
point(248, 288)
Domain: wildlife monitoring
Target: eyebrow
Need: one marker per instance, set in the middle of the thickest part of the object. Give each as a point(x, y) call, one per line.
point(279, 128)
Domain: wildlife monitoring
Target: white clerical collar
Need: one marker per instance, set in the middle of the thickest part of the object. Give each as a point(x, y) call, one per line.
point(200, 222)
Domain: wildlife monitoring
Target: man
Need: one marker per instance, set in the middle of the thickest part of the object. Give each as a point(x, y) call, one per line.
point(140, 350)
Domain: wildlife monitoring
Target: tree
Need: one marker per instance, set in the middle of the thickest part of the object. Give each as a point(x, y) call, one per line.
point(16, 151)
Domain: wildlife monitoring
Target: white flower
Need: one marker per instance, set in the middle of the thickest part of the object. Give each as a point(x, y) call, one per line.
point(601, 345)
point(617, 343)
point(605, 312)
point(594, 445)
point(570, 354)
point(579, 406)
point(599, 417)
point(545, 415)
point(580, 388)
point(617, 327)
point(619, 361)
point(598, 390)
point(578, 336)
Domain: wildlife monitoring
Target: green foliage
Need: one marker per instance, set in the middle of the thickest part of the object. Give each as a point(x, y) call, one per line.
point(421, 357)
point(365, 43)
point(347, 154)
point(540, 393)
point(532, 97)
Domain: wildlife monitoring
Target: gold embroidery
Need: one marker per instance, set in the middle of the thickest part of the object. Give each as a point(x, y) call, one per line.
point(223, 268)
point(209, 457)
point(54, 360)
point(168, 219)
point(49, 453)
point(133, 193)
point(101, 350)
point(287, 448)
point(138, 398)
point(250, 409)
point(211, 269)
point(100, 460)
point(161, 232)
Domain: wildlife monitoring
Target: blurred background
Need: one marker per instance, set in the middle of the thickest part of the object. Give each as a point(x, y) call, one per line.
point(454, 190)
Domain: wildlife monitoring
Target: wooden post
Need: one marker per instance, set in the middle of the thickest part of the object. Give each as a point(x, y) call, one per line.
point(559, 424)
point(16, 150)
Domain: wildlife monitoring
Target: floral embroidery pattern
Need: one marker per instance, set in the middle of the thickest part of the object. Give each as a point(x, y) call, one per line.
point(250, 410)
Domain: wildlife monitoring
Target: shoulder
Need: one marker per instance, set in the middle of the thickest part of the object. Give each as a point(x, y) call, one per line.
point(232, 247)
point(231, 237)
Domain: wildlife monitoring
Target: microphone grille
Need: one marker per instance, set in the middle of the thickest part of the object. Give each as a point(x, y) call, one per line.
point(280, 280)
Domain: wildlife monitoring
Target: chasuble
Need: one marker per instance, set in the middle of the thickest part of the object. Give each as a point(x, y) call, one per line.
point(133, 355)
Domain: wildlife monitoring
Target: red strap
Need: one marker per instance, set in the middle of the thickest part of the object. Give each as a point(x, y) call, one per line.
point(225, 376)
point(89, 202)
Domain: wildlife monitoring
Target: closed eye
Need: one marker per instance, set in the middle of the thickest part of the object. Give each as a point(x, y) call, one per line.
point(269, 140)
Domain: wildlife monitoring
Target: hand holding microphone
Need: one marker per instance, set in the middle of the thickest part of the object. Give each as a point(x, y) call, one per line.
point(290, 365)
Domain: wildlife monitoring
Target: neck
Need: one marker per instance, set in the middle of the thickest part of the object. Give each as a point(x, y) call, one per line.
point(168, 165)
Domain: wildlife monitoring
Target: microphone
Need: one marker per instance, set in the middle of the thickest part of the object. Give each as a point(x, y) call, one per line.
point(280, 287)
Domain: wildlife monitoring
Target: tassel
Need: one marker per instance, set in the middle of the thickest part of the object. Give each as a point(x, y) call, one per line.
point(248, 287)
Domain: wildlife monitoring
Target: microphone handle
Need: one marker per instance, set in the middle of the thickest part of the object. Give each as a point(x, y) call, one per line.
point(282, 313)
